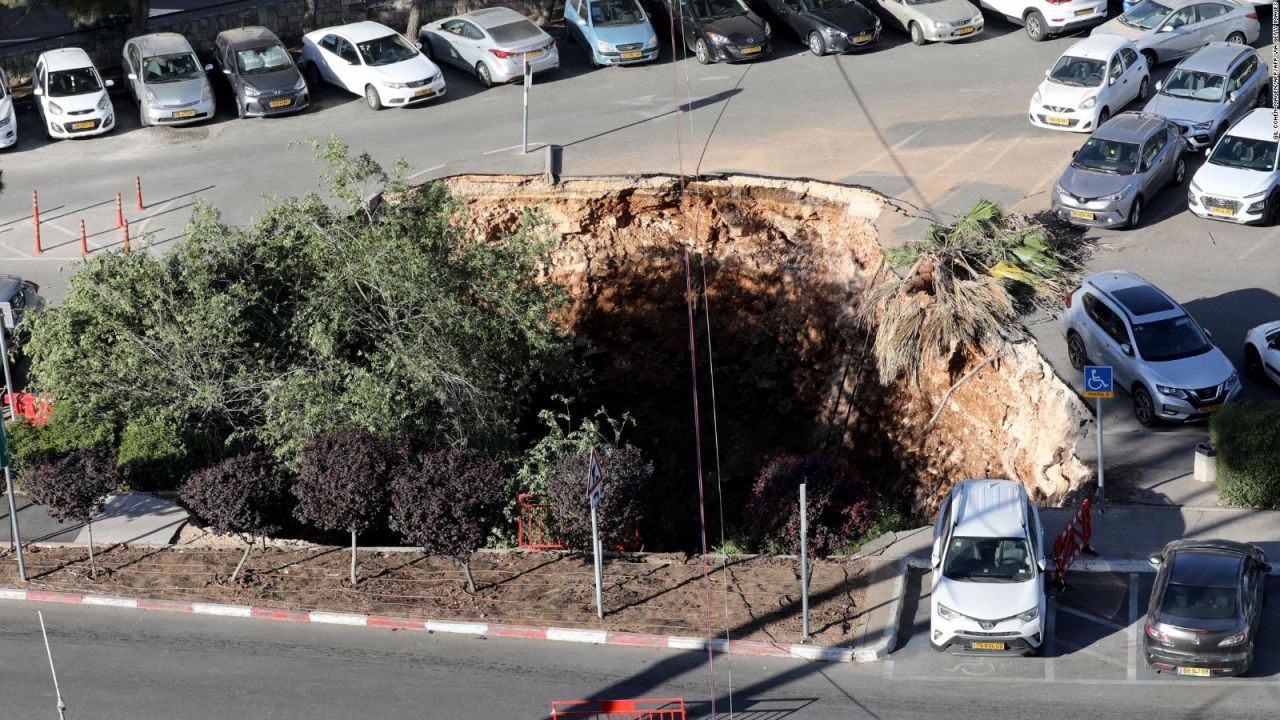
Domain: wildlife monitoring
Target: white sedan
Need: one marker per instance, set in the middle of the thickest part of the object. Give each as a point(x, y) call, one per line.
point(1262, 352)
point(1093, 80)
point(494, 43)
point(70, 95)
point(372, 60)
point(8, 120)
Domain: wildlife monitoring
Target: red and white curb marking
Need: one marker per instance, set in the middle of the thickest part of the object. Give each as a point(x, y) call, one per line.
point(525, 632)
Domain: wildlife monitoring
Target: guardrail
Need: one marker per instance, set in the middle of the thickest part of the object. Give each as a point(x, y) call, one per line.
point(35, 409)
point(637, 709)
point(1073, 540)
point(533, 525)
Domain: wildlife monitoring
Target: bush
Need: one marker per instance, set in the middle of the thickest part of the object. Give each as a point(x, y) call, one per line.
point(73, 485)
point(840, 504)
point(63, 433)
point(243, 495)
point(627, 478)
point(1247, 437)
point(152, 455)
point(448, 502)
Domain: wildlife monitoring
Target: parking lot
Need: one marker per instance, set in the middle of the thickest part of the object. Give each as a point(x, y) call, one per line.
point(1093, 637)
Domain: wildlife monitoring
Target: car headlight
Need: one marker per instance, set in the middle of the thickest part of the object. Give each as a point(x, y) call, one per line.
point(4, 121)
point(53, 108)
point(767, 30)
point(947, 613)
point(151, 100)
point(206, 93)
point(1117, 195)
point(831, 32)
point(104, 103)
point(1234, 379)
point(1030, 615)
point(1088, 103)
point(394, 85)
point(301, 84)
point(1235, 639)
point(877, 23)
point(717, 38)
point(651, 42)
point(1202, 126)
point(251, 91)
point(976, 18)
point(1171, 391)
point(603, 46)
point(940, 26)
point(1256, 195)
point(1035, 99)
point(1195, 187)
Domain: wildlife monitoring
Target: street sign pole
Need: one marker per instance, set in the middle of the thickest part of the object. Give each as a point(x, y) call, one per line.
point(1099, 386)
point(524, 125)
point(62, 707)
point(804, 562)
point(14, 536)
point(1102, 482)
point(8, 379)
point(595, 486)
point(595, 544)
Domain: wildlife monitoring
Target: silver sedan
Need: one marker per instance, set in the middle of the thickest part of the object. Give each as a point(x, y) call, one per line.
point(1169, 29)
point(494, 43)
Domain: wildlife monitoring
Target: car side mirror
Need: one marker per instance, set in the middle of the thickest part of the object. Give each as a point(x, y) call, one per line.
point(1127, 349)
point(1208, 150)
point(1231, 97)
point(418, 44)
point(1044, 566)
point(1146, 166)
point(37, 91)
point(1156, 561)
point(581, 21)
point(226, 71)
point(1159, 84)
point(1111, 80)
point(108, 83)
point(1274, 344)
point(208, 67)
point(1073, 154)
point(1166, 28)
point(1208, 333)
point(131, 76)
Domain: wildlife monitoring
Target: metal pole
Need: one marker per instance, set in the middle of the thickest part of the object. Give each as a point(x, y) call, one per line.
point(524, 125)
point(61, 705)
point(595, 546)
point(1102, 486)
point(13, 514)
point(804, 561)
point(8, 380)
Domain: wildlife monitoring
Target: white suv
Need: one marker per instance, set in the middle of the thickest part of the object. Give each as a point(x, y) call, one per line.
point(1043, 18)
point(988, 571)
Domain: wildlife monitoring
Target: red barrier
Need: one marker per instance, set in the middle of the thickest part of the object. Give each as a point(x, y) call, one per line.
point(34, 409)
point(638, 709)
point(1073, 540)
point(533, 526)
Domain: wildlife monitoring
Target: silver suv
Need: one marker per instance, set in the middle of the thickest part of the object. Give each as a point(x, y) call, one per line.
point(1159, 354)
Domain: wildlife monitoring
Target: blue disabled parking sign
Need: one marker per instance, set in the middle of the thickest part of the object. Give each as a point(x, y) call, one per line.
point(1097, 382)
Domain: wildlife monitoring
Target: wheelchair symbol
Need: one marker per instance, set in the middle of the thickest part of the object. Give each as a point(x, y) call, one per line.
point(1096, 381)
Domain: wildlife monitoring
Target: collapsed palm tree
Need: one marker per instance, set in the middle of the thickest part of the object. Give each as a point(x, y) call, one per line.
point(966, 287)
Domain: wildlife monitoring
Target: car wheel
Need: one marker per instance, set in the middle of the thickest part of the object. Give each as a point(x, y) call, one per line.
point(1253, 363)
point(314, 78)
point(1180, 171)
point(1144, 409)
point(1236, 38)
point(240, 111)
point(1150, 55)
point(1103, 117)
point(371, 97)
point(1135, 213)
point(701, 51)
point(917, 35)
point(1036, 29)
point(484, 75)
point(816, 44)
point(1076, 353)
point(1144, 88)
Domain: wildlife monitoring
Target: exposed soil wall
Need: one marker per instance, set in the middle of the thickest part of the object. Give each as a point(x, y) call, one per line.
point(784, 263)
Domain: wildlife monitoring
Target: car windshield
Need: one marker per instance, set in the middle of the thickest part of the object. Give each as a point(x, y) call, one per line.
point(828, 4)
point(988, 560)
point(1108, 156)
point(263, 60)
point(170, 68)
point(516, 32)
point(1245, 153)
point(1146, 15)
point(386, 50)
point(1170, 339)
point(1078, 71)
point(1199, 603)
point(616, 12)
point(1194, 84)
point(65, 83)
point(717, 9)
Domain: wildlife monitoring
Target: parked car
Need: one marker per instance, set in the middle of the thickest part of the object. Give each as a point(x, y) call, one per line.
point(167, 80)
point(1158, 353)
point(829, 25)
point(1094, 78)
point(263, 77)
point(613, 32)
point(988, 571)
point(1205, 607)
point(933, 20)
point(1169, 29)
point(1208, 91)
point(1043, 19)
point(1262, 352)
point(1238, 182)
point(17, 296)
point(721, 30)
point(371, 60)
point(1120, 168)
point(8, 120)
point(70, 95)
point(494, 43)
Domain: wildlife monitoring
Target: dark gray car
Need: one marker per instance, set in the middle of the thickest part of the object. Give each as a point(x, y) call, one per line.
point(1207, 92)
point(263, 77)
point(1119, 169)
point(1205, 608)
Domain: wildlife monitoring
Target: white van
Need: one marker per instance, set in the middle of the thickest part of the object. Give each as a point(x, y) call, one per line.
point(988, 571)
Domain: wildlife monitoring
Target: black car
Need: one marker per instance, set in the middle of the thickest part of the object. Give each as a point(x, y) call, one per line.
point(262, 74)
point(1205, 608)
point(722, 30)
point(829, 25)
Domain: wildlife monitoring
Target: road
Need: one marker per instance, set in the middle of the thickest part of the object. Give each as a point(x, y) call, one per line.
point(124, 664)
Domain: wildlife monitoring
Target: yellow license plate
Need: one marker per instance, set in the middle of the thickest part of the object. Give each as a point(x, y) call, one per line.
point(185, 114)
point(284, 102)
point(1227, 212)
point(630, 55)
point(1082, 214)
point(1086, 11)
point(751, 50)
point(86, 125)
point(864, 37)
point(964, 31)
point(533, 54)
point(1057, 120)
point(425, 92)
point(1194, 671)
point(987, 646)
point(1211, 408)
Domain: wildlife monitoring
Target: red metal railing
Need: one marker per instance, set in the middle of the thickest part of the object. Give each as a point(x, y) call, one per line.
point(638, 709)
point(35, 409)
point(533, 526)
point(1073, 540)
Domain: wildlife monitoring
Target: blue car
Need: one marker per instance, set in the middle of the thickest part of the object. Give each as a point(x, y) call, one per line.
point(613, 32)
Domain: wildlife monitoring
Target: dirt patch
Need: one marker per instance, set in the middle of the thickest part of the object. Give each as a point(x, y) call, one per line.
point(660, 594)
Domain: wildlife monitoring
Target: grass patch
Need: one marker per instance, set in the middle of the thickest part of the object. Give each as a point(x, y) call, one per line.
point(1247, 437)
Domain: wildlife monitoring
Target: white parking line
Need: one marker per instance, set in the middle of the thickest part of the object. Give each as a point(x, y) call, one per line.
point(1133, 626)
point(1094, 618)
point(1050, 641)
